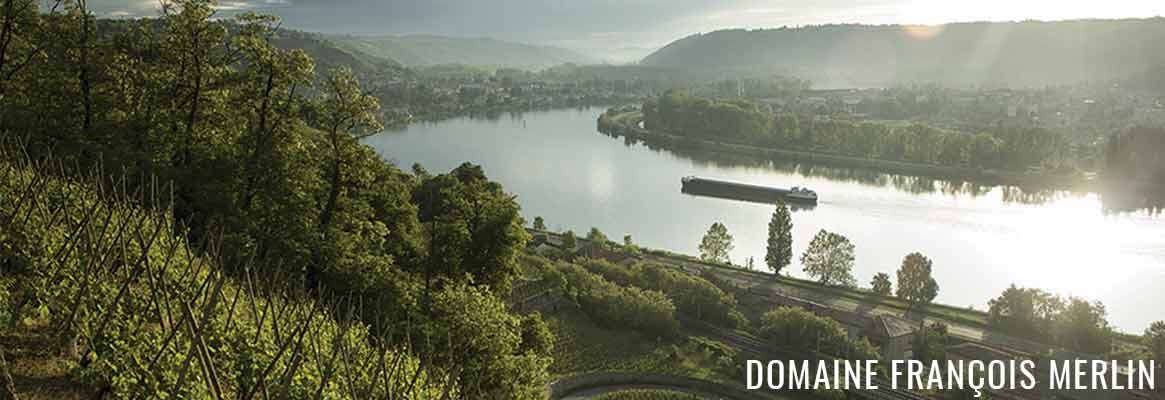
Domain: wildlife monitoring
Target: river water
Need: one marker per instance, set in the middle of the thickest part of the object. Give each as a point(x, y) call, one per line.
point(981, 238)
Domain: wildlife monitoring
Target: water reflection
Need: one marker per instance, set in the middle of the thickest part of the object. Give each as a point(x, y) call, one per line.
point(982, 237)
point(1113, 202)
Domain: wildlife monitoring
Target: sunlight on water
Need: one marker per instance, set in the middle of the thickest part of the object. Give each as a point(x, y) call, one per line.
point(981, 238)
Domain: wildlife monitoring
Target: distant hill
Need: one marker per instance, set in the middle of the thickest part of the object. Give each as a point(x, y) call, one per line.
point(328, 54)
point(426, 50)
point(1016, 54)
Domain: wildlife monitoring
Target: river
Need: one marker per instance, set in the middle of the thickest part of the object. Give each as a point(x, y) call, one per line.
point(981, 238)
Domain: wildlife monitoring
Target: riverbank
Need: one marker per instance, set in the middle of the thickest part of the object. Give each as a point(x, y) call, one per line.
point(967, 324)
point(626, 123)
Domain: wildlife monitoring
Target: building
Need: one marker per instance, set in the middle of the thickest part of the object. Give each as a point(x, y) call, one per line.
point(893, 335)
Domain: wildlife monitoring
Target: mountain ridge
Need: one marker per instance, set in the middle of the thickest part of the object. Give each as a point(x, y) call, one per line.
point(1027, 53)
point(418, 50)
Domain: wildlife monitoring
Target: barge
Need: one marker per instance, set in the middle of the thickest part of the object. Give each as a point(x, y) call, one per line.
point(748, 192)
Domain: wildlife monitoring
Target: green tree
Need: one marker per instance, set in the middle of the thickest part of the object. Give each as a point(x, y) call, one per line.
point(881, 284)
point(830, 259)
point(539, 223)
point(1155, 340)
point(1083, 326)
point(475, 227)
point(1025, 312)
point(798, 328)
point(344, 113)
point(931, 343)
point(716, 244)
point(492, 362)
point(536, 336)
point(569, 241)
point(597, 237)
point(779, 252)
point(627, 242)
point(915, 283)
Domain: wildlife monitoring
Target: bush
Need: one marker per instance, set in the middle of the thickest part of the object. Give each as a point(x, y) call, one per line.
point(693, 296)
point(616, 307)
point(800, 329)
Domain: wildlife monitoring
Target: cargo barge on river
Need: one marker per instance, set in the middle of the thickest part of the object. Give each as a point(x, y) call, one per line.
point(746, 191)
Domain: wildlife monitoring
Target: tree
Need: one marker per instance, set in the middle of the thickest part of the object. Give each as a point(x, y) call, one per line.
point(536, 336)
point(597, 237)
point(881, 284)
point(1155, 341)
point(931, 344)
point(539, 223)
point(716, 244)
point(344, 114)
point(475, 227)
point(780, 245)
point(1024, 312)
point(1083, 326)
point(569, 241)
point(830, 259)
point(627, 242)
point(915, 283)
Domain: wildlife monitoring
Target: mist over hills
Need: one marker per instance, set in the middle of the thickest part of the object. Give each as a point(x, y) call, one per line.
point(991, 54)
point(426, 50)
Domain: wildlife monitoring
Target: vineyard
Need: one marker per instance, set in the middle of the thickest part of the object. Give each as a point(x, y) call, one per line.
point(101, 295)
point(583, 347)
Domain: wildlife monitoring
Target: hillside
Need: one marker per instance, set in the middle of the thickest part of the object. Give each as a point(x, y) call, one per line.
point(992, 54)
point(425, 50)
point(327, 54)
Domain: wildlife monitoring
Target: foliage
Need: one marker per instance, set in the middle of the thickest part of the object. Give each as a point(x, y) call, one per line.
point(135, 300)
point(539, 223)
point(881, 284)
point(779, 251)
point(616, 307)
point(716, 244)
point(931, 345)
point(473, 225)
point(1132, 155)
point(536, 336)
point(1155, 340)
point(598, 238)
point(800, 329)
point(494, 362)
point(1033, 313)
point(265, 157)
point(693, 296)
point(1083, 326)
point(743, 121)
point(830, 259)
point(915, 283)
point(1024, 312)
point(569, 241)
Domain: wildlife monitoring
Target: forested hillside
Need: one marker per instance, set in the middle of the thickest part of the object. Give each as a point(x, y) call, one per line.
point(1015, 54)
point(258, 159)
point(426, 50)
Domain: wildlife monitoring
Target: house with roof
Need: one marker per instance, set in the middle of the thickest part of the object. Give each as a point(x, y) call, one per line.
point(893, 335)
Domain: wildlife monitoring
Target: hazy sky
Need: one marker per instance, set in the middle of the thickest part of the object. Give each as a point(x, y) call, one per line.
point(637, 23)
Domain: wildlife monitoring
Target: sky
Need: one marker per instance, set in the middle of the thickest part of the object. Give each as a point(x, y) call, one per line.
point(629, 24)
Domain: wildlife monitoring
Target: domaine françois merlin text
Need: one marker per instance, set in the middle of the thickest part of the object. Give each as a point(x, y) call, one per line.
point(961, 375)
